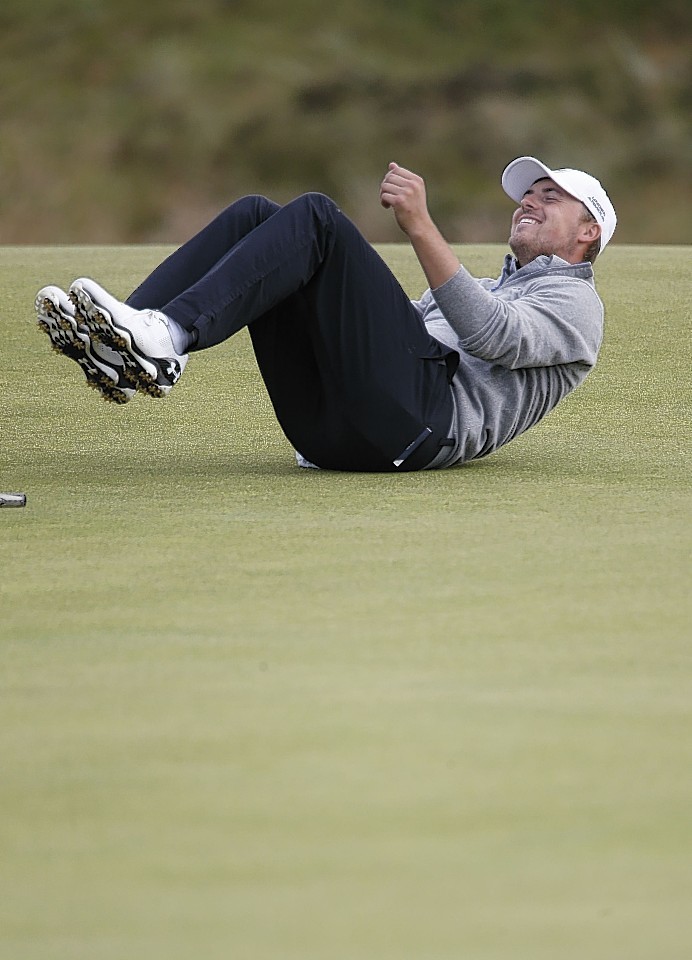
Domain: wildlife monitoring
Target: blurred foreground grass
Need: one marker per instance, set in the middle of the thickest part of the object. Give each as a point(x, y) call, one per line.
point(253, 711)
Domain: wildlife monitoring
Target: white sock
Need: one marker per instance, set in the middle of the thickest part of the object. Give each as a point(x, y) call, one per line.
point(181, 337)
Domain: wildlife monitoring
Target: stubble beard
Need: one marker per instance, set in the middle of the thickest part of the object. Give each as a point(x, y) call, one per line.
point(524, 250)
point(527, 248)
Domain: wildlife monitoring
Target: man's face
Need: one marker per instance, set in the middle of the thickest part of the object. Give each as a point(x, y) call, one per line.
point(549, 221)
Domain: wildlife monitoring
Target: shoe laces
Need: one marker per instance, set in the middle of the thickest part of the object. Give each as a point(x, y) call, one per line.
point(152, 317)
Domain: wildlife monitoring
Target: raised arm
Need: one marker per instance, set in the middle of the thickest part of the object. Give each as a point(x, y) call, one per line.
point(404, 192)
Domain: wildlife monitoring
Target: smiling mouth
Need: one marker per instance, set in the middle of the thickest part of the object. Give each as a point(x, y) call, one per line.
point(526, 220)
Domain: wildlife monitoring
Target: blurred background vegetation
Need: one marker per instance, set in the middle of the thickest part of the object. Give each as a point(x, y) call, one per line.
point(124, 121)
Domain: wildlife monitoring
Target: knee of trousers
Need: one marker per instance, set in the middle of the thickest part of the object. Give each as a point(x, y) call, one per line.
point(317, 203)
point(254, 205)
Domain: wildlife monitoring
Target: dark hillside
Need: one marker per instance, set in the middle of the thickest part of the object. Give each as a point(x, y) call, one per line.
point(124, 121)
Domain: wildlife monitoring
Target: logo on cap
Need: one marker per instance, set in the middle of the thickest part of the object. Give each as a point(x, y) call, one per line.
point(597, 205)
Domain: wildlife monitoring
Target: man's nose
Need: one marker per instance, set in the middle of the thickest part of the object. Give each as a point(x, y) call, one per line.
point(528, 202)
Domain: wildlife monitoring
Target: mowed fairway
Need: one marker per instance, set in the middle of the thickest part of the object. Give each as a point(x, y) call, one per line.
point(253, 712)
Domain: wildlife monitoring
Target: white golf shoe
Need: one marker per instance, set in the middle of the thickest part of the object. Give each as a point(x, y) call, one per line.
point(101, 366)
point(141, 338)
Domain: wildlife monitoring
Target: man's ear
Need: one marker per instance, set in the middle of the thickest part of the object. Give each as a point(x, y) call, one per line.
point(590, 231)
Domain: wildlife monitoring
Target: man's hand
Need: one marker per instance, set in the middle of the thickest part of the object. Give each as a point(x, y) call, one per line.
point(404, 192)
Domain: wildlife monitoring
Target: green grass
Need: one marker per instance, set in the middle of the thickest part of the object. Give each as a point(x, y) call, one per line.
point(255, 712)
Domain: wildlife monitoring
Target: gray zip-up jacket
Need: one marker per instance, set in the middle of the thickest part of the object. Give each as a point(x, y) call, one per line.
point(525, 340)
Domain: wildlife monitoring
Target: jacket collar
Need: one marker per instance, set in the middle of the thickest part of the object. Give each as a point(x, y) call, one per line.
point(545, 264)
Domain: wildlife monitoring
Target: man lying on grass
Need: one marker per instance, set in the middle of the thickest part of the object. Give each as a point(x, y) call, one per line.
point(361, 377)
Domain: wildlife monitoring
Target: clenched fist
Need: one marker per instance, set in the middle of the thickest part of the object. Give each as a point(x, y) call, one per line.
point(404, 192)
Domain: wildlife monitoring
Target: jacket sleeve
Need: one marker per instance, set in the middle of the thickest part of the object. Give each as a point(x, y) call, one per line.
point(555, 320)
point(424, 303)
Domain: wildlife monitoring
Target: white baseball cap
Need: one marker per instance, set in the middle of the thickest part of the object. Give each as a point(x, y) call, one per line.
point(521, 173)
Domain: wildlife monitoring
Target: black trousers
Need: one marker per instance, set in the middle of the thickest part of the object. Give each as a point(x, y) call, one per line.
point(356, 381)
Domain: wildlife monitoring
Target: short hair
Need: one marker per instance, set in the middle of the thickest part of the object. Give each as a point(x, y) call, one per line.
point(593, 251)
